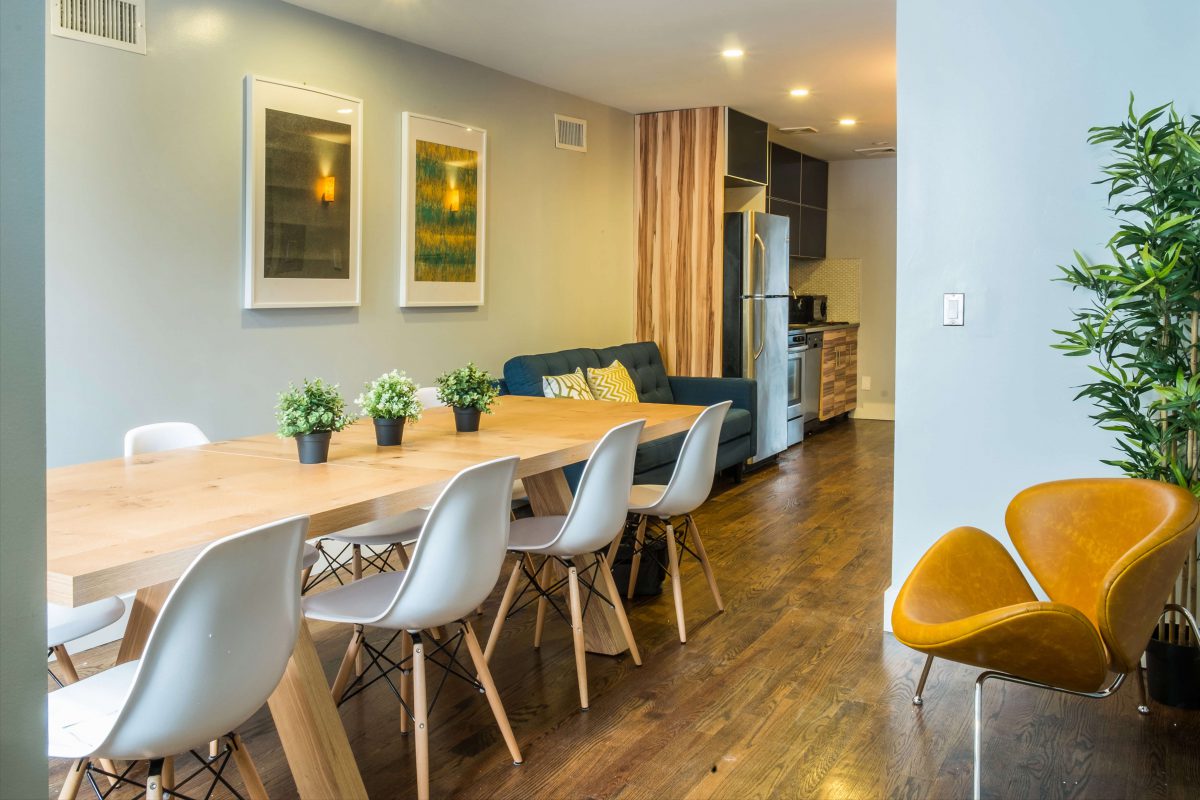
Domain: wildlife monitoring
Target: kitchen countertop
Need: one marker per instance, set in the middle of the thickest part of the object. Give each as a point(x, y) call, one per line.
point(822, 326)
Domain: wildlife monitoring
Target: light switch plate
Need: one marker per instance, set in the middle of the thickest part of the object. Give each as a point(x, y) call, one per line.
point(952, 308)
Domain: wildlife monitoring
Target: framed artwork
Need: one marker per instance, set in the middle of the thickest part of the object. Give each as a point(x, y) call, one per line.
point(303, 196)
point(441, 212)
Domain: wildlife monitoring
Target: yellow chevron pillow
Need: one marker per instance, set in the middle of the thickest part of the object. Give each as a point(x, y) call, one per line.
point(572, 386)
point(612, 383)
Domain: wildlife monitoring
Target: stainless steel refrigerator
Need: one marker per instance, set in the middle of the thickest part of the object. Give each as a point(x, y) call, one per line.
point(754, 328)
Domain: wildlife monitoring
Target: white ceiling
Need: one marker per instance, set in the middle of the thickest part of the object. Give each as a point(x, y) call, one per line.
point(650, 55)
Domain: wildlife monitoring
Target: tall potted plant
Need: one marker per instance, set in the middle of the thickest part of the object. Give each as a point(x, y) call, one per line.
point(390, 400)
point(311, 414)
point(471, 392)
point(1142, 330)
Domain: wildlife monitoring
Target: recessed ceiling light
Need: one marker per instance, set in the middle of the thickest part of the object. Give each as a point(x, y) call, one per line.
point(345, 111)
point(733, 52)
point(847, 121)
point(799, 92)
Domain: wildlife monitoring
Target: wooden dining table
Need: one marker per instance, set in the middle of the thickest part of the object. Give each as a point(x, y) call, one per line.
point(135, 524)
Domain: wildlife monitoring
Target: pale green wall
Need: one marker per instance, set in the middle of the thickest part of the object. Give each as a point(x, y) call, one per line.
point(22, 421)
point(144, 184)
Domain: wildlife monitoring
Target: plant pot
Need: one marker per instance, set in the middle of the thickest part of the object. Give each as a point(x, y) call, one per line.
point(313, 447)
point(1173, 673)
point(389, 432)
point(466, 420)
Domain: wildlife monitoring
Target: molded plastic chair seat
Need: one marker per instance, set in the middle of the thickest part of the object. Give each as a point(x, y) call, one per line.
point(81, 714)
point(311, 554)
point(64, 624)
point(402, 528)
point(367, 598)
point(643, 497)
point(536, 533)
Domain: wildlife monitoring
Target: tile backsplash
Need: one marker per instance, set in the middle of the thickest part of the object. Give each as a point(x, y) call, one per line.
point(838, 279)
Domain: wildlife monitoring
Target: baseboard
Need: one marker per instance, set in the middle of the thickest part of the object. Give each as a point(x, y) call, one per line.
point(885, 411)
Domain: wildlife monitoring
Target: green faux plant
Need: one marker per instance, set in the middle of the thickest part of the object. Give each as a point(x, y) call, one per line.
point(1141, 324)
point(467, 387)
point(314, 407)
point(392, 395)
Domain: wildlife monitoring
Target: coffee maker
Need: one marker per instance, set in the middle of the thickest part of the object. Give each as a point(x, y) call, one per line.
point(807, 309)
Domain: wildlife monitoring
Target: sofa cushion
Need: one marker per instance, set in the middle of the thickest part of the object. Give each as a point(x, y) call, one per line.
point(612, 383)
point(523, 374)
point(645, 366)
point(572, 386)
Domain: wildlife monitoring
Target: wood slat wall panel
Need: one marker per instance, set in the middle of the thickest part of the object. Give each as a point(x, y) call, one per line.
point(680, 199)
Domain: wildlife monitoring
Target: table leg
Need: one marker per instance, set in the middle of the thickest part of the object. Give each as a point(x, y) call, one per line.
point(549, 494)
point(310, 729)
point(146, 605)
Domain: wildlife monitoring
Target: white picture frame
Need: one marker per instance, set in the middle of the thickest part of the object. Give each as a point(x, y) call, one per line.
point(420, 263)
point(303, 233)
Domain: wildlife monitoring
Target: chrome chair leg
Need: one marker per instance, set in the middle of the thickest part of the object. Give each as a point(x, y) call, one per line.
point(1143, 700)
point(916, 701)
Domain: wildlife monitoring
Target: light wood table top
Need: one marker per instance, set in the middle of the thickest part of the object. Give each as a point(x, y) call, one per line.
point(125, 524)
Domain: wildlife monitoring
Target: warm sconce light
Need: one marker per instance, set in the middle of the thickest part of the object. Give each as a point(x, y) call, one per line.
point(453, 200)
point(327, 189)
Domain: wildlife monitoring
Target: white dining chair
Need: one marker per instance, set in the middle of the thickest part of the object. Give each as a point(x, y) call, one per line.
point(598, 510)
point(215, 654)
point(689, 486)
point(455, 565)
point(65, 624)
point(159, 436)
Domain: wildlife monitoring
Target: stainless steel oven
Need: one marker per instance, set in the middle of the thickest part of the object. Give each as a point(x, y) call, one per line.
point(797, 349)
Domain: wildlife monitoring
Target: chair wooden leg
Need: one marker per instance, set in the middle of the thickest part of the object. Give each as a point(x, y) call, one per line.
point(348, 668)
point(489, 689)
point(505, 604)
point(406, 681)
point(168, 774)
point(66, 667)
point(246, 768)
point(74, 779)
point(543, 575)
point(610, 589)
point(676, 584)
point(109, 766)
point(616, 545)
point(358, 573)
point(577, 635)
point(421, 717)
point(639, 540)
point(708, 570)
point(154, 787)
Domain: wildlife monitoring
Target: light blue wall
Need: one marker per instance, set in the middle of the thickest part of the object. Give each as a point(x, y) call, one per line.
point(22, 420)
point(995, 173)
point(144, 188)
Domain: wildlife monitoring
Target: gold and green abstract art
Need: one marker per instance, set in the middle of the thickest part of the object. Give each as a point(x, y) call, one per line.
point(447, 206)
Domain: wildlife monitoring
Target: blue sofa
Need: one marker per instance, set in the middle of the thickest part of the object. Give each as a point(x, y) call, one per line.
point(655, 460)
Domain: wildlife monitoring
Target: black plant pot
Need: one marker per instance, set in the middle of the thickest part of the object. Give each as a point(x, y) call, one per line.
point(389, 432)
point(1173, 673)
point(313, 447)
point(466, 420)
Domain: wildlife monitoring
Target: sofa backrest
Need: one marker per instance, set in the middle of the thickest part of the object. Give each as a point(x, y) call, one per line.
point(523, 374)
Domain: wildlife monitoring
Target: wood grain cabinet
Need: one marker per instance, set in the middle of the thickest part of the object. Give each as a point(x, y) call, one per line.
point(839, 372)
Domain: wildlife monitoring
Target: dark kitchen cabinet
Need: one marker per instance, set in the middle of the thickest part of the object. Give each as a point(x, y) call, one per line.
point(792, 212)
point(812, 232)
point(745, 147)
point(815, 183)
point(786, 178)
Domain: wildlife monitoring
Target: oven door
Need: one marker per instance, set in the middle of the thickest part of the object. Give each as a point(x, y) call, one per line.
point(795, 401)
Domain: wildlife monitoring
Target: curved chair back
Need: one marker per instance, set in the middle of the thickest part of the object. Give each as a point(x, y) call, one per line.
point(1109, 547)
point(219, 647)
point(162, 436)
point(600, 504)
point(460, 551)
point(692, 479)
point(427, 395)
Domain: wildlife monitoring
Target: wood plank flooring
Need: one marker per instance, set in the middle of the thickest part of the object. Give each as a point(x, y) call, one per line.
point(794, 691)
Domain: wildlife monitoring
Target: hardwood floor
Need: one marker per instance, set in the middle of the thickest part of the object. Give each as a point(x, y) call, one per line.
point(794, 691)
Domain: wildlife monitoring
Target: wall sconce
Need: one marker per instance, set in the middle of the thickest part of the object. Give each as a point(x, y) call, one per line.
point(453, 200)
point(327, 189)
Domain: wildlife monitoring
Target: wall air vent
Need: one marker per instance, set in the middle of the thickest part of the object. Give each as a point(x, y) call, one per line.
point(798, 131)
point(887, 150)
point(112, 23)
point(570, 133)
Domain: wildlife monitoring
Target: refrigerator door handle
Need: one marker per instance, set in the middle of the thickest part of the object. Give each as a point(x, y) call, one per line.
point(760, 330)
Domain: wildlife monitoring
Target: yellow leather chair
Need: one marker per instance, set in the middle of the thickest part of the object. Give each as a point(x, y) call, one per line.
point(1105, 550)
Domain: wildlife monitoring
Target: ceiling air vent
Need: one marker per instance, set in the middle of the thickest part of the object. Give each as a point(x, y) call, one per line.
point(797, 131)
point(570, 133)
point(887, 150)
point(112, 23)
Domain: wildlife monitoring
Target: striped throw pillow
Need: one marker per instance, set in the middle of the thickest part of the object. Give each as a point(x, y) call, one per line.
point(573, 386)
point(612, 383)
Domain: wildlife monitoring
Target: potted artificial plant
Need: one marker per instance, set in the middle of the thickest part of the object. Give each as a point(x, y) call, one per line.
point(1141, 329)
point(390, 400)
point(311, 414)
point(470, 391)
